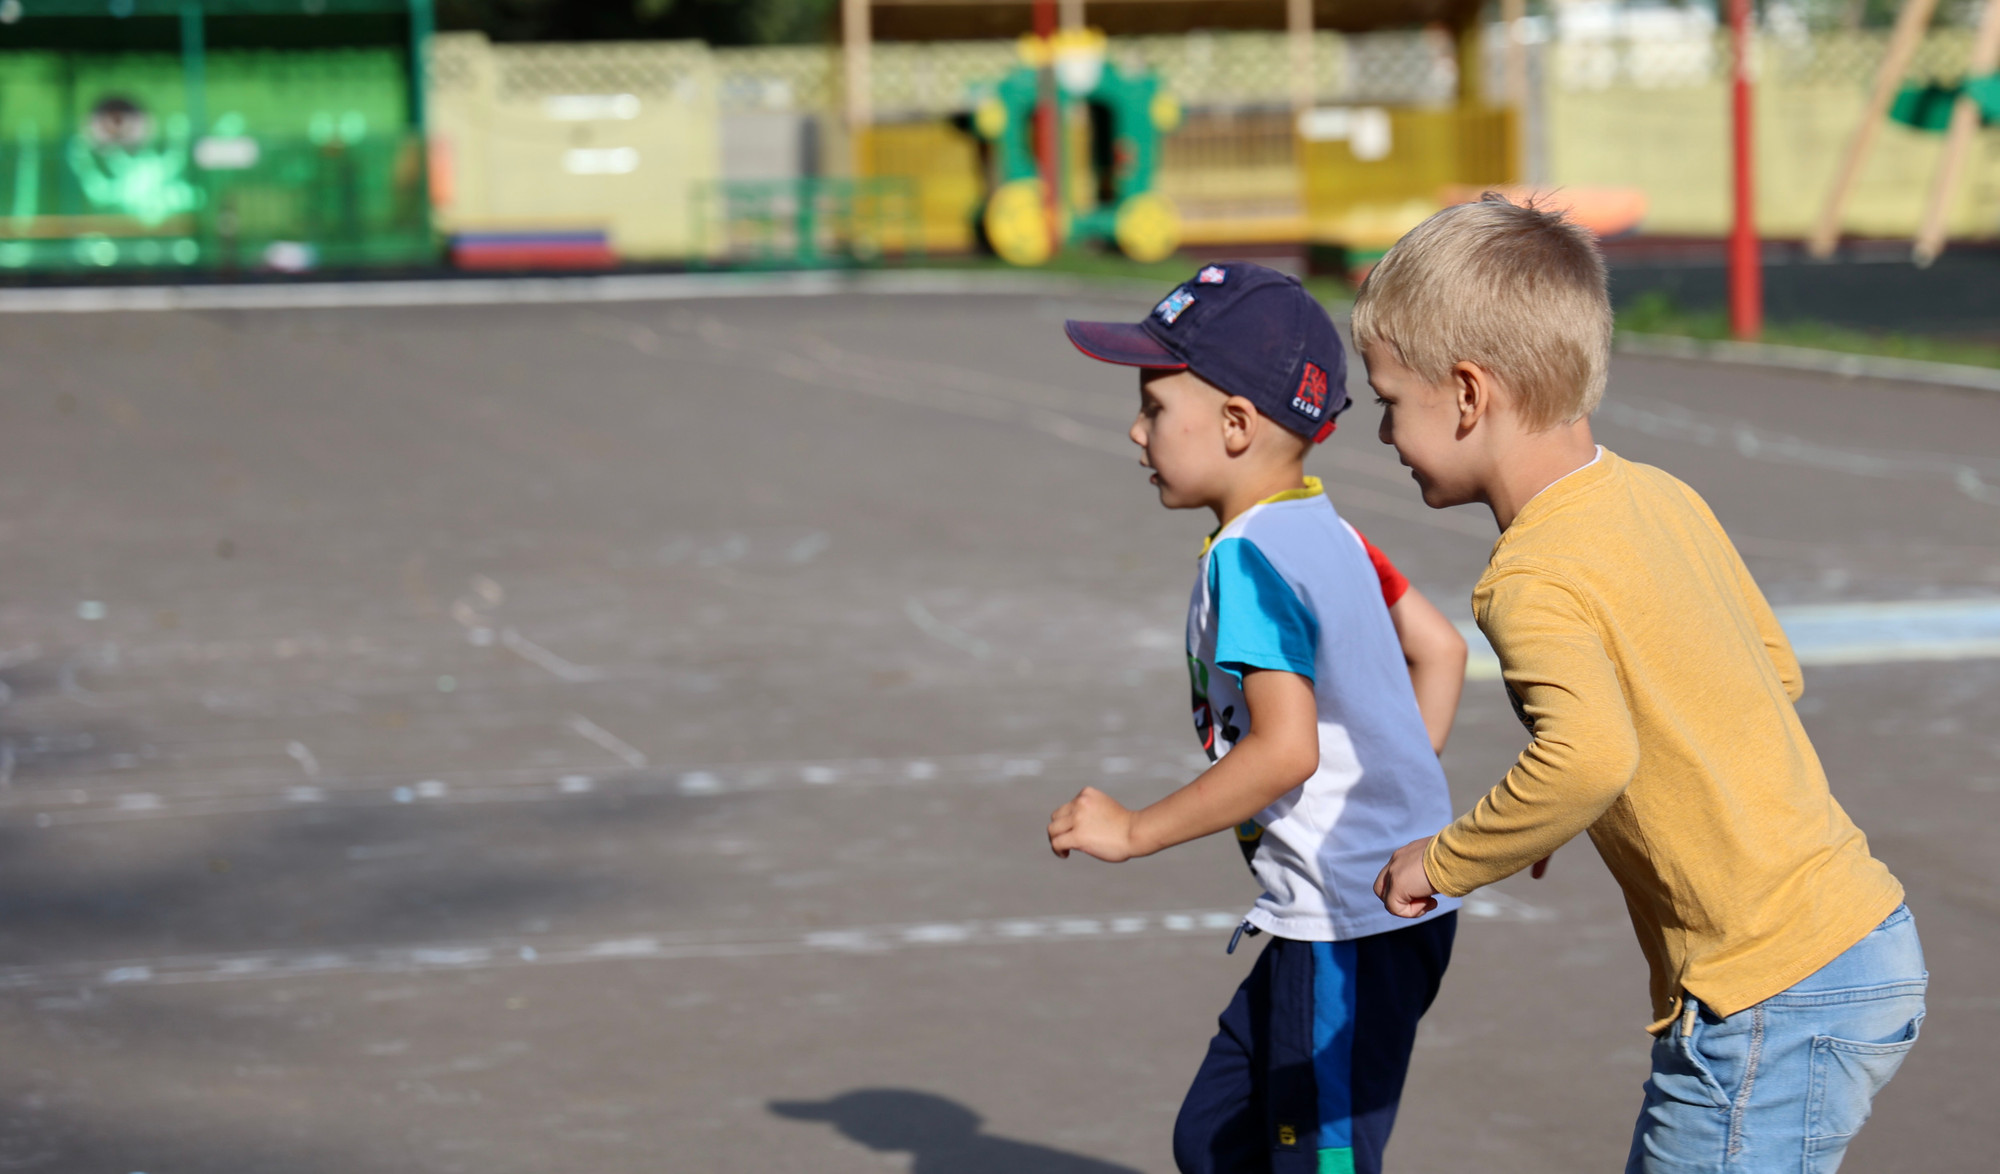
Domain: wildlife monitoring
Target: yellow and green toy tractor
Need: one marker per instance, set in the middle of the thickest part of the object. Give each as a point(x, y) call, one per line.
point(1034, 209)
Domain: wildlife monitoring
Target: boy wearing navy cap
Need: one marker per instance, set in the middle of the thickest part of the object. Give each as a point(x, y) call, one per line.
point(1303, 699)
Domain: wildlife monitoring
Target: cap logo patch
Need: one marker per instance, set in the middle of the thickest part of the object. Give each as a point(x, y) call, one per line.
point(1176, 304)
point(1310, 399)
point(1213, 275)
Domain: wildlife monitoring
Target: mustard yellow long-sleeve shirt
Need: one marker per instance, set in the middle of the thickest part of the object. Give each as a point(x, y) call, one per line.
point(1659, 689)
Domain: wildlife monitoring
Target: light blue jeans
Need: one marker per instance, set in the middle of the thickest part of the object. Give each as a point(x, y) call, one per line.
point(1786, 1084)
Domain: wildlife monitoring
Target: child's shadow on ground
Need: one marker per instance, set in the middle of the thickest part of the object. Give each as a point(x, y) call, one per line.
point(942, 1135)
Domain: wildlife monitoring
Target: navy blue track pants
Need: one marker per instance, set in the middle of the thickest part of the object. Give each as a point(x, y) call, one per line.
point(1304, 1074)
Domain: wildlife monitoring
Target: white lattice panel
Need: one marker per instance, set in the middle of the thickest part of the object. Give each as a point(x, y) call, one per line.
point(1847, 58)
point(778, 78)
point(937, 77)
point(644, 68)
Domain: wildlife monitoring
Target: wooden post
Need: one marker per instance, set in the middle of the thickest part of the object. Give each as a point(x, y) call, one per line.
point(1299, 39)
point(857, 34)
point(1958, 140)
point(1470, 76)
point(1911, 24)
point(1746, 263)
point(1513, 19)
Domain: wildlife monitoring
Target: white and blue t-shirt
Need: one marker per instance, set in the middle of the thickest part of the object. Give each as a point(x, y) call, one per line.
point(1288, 585)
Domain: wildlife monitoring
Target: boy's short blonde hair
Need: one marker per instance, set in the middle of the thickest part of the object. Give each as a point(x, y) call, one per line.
point(1517, 289)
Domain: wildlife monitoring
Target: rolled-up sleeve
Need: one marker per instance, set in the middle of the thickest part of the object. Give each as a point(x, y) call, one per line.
point(1585, 749)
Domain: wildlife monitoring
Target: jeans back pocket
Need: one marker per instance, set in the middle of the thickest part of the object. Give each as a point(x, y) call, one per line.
point(1845, 1076)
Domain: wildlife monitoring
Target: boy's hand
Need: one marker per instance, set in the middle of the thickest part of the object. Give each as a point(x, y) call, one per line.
point(1403, 885)
point(1093, 823)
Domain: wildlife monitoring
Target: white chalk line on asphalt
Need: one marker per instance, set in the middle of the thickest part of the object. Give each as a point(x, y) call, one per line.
point(519, 951)
point(1849, 634)
point(1821, 635)
point(67, 806)
point(590, 730)
point(944, 633)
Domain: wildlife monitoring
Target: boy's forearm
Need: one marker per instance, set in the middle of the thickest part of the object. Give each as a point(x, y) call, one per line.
point(1252, 776)
point(1435, 653)
point(1514, 825)
point(1583, 756)
point(1438, 683)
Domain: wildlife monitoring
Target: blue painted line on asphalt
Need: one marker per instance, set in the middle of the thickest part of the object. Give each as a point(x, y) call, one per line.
point(1852, 633)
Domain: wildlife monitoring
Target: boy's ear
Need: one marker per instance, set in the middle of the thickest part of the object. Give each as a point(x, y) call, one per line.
point(1239, 425)
point(1473, 390)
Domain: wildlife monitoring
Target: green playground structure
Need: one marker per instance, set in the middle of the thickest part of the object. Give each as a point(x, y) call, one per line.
point(1956, 111)
point(1929, 106)
point(213, 134)
point(1029, 117)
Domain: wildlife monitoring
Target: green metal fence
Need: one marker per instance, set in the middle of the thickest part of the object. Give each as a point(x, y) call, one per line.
point(808, 223)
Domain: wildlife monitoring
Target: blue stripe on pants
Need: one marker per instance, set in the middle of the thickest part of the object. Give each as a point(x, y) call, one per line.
point(1309, 1048)
point(1334, 974)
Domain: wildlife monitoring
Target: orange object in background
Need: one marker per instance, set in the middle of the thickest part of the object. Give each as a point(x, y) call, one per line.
point(1746, 261)
point(1605, 211)
point(443, 173)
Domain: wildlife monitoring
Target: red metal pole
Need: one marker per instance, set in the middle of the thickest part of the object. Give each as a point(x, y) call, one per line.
point(1746, 272)
point(1047, 132)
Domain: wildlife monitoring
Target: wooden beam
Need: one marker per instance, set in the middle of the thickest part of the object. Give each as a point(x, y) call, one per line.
point(1299, 35)
point(1958, 140)
point(1514, 19)
point(1514, 23)
point(855, 41)
point(1911, 23)
point(1471, 84)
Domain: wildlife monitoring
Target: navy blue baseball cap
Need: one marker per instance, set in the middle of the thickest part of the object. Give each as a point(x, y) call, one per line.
point(1249, 330)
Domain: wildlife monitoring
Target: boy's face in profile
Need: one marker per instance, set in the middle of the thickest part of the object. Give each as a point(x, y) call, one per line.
point(1180, 430)
point(1423, 422)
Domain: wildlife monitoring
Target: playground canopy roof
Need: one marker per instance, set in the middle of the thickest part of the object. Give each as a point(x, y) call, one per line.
point(925, 20)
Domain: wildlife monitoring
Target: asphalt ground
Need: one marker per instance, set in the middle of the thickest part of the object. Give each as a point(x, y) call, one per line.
point(619, 738)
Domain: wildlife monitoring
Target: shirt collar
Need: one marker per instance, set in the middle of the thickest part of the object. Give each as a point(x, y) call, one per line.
point(1305, 492)
point(1544, 492)
point(1595, 457)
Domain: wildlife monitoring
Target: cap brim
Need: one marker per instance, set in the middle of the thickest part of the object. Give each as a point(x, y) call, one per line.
point(1123, 343)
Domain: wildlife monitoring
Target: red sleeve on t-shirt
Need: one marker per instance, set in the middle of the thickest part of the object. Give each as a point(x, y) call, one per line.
point(1393, 582)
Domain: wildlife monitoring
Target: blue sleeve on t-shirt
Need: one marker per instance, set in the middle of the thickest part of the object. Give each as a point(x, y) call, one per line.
point(1260, 622)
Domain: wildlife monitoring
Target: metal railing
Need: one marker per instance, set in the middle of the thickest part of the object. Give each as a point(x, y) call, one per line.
point(817, 222)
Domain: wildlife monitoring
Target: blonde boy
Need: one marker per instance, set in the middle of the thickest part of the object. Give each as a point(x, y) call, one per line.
point(1787, 978)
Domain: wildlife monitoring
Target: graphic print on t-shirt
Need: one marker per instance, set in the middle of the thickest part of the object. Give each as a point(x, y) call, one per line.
point(1204, 716)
